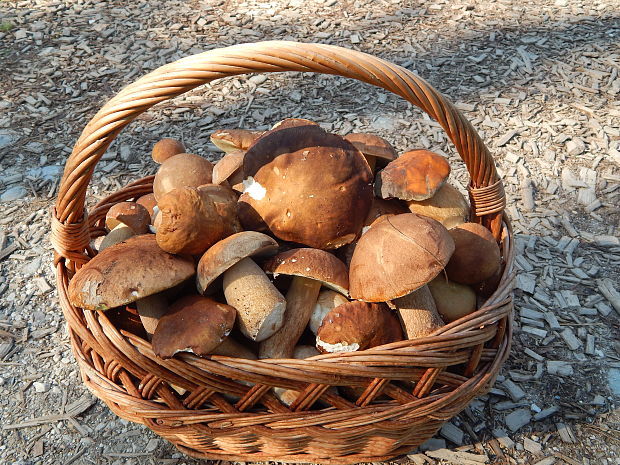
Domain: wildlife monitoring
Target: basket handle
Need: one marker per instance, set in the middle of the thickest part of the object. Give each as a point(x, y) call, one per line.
point(69, 223)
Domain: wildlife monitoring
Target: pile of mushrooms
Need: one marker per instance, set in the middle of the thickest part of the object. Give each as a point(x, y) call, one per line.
point(296, 242)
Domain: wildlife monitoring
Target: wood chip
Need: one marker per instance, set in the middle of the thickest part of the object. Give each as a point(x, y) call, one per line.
point(566, 433)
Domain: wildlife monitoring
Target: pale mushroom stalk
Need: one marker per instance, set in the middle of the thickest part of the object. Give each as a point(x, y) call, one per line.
point(151, 309)
point(300, 300)
point(418, 313)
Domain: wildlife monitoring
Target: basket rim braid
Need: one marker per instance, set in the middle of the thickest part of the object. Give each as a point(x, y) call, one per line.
point(224, 408)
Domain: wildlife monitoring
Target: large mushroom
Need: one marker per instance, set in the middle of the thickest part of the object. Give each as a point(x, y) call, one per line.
point(476, 255)
point(182, 170)
point(378, 151)
point(127, 272)
point(310, 269)
point(398, 255)
point(307, 186)
point(225, 201)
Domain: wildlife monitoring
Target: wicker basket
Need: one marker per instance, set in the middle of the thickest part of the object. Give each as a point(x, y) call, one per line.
point(409, 388)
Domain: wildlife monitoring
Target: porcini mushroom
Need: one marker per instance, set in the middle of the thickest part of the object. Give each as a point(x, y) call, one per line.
point(453, 300)
point(476, 254)
point(397, 256)
point(151, 308)
point(225, 201)
point(166, 148)
point(120, 233)
point(126, 272)
point(229, 168)
point(378, 151)
point(182, 170)
point(418, 313)
point(310, 269)
point(415, 175)
point(193, 324)
point(327, 300)
point(232, 348)
point(230, 140)
point(358, 326)
point(130, 214)
point(148, 201)
point(448, 206)
point(307, 186)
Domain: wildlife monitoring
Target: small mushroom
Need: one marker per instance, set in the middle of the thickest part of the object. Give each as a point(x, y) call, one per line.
point(148, 201)
point(225, 201)
point(130, 214)
point(310, 269)
point(193, 324)
point(448, 206)
point(151, 309)
point(415, 175)
point(476, 255)
point(358, 326)
point(325, 303)
point(418, 313)
point(119, 234)
point(190, 222)
point(126, 272)
point(453, 300)
point(182, 170)
point(378, 151)
point(230, 140)
point(229, 168)
point(398, 255)
point(233, 348)
point(166, 148)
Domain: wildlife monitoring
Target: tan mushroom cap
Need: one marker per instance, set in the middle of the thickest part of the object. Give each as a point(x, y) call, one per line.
point(230, 140)
point(193, 324)
point(166, 148)
point(148, 201)
point(453, 300)
point(131, 214)
point(308, 187)
point(182, 170)
point(126, 272)
point(357, 326)
point(476, 255)
point(448, 206)
point(229, 251)
point(373, 146)
point(225, 201)
point(229, 168)
point(415, 175)
point(313, 264)
point(398, 255)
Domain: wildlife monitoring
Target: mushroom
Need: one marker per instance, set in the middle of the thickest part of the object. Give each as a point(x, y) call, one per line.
point(310, 269)
point(127, 272)
point(232, 348)
point(448, 206)
point(476, 255)
point(288, 396)
point(418, 313)
point(358, 326)
point(378, 151)
point(230, 140)
point(229, 168)
point(293, 122)
point(166, 148)
point(326, 302)
point(225, 201)
point(130, 214)
point(189, 223)
point(182, 170)
point(415, 175)
point(398, 255)
point(453, 300)
point(120, 233)
point(193, 324)
point(148, 201)
point(307, 186)
point(151, 309)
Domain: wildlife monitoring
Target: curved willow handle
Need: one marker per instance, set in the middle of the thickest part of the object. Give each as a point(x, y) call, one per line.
point(68, 221)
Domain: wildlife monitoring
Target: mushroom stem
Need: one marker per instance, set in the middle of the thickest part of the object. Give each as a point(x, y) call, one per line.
point(260, 306)
point(300, 300)
point(418, 313)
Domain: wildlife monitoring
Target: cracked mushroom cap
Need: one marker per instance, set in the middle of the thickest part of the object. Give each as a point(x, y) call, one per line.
point(373, 146)
point(131, 214)
point(126, 272)
point(193, 324)
point(307, 186)
point(182, 170)
point(358, 326)
point(230, 140)
point(227, 252)
point(313, 264)
point(167, 148)
point(398, 255)
point(415, 175)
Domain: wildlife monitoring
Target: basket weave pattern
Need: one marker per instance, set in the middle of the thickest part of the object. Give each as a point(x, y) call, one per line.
point(408, 388)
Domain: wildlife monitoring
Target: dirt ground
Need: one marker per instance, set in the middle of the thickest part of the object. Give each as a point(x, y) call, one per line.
point(539, 80)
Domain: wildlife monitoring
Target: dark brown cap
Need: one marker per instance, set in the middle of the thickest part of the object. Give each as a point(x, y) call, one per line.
point(374, 147)
point(225, 201)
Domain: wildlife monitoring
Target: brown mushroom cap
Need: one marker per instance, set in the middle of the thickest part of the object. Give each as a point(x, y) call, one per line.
point(313, 264)
point(229, 168)
point(453, 300)
point(166, 148)
point(397, 256)
point(182, 170)
point(476, 255)
point(293, 122)
point(130, 214)
point(230, 140)
point(126, 272)
point(325, 303)
point(308, 187)
point(373, 146)
point(415, 175)
point(448, 206)
point(358, 326)
point(148, 201)
point(225, 201)
point(193, 324)
point(190, 223)
point(229, 251)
